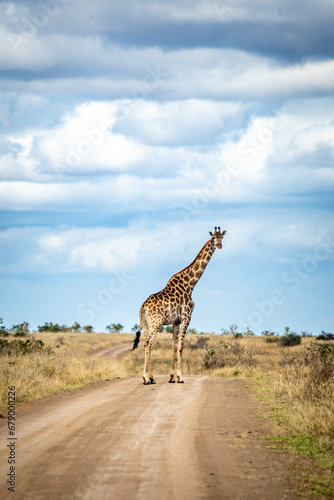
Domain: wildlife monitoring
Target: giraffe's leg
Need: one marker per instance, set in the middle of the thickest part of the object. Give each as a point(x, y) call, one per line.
point(176, 328)
point(147, 353)
point(147, 374)
point(183, 331)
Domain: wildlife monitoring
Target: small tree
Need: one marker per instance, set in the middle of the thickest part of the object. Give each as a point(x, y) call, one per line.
point(115, 327)
point(65, 328)
point(168, 329)
point(290, 338)
point(234, 331)
point(21, 330)
point(88, 328)
point(268, 333)
point(49, 327)
point(306, 334)
point(192, 331)
point(75, 327)
point(135, 328)
point(3, 330)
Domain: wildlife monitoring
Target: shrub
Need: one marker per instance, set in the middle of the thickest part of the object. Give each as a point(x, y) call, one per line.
point(227, 354)
point(325, 336)
point(49, 327)
point(320, 358)
point(3, 330)
point(115, 327)
point(199, 344)
point(306, 334)
point(268, 333)
point(20, 333)
point(22, 347)
point(21, 330)
point(88, 328)
point(232, 331)
point(290, 339)
point(272, 340)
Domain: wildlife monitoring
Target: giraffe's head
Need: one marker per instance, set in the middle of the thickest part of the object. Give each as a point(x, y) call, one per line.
point(217, 237)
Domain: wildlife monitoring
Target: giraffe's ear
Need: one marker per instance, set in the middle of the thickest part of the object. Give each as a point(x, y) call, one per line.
point(210, 233)
point(223, 233)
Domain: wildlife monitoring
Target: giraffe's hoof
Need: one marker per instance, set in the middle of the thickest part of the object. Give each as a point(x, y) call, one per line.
point(172, 381)
point(153, 382)
point(147, 382)
point(180, 381)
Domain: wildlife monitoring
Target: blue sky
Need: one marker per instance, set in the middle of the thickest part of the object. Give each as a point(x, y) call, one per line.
point(129, 130)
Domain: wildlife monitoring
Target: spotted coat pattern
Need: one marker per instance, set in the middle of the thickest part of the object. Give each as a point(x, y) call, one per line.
point(173, 306)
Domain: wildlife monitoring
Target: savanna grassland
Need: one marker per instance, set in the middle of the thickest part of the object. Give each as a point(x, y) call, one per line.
point(45, 363)
point(297, 381)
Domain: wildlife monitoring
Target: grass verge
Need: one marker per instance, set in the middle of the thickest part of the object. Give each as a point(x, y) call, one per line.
point(59, 364)
point(297, 382)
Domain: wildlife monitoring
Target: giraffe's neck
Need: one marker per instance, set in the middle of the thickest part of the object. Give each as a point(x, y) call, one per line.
point(191, 274)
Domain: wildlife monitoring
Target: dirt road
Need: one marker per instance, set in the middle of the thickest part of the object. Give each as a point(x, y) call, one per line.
point(123, 440)
point(113, 351)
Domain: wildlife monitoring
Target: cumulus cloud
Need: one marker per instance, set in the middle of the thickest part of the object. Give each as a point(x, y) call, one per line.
point(160, 164)
point(154, 244)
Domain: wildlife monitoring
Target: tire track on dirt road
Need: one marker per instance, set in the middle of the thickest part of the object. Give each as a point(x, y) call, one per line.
point(122, 440)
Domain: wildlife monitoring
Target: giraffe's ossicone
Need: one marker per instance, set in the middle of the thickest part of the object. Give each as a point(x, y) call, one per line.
point(173, 306)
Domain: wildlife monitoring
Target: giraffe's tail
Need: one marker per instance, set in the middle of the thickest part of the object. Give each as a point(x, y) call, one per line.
point(136, 340)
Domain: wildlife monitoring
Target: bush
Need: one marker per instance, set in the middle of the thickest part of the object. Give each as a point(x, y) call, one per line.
point(290, 339)
point(21, 330)
point(3, 330)
point(233, 331)
point(20, 333)
point(268, 333)
point(325, 336)
point(227, 354)
point(320, 358)
point(272, 340)
point(115, 327)
point(88, 328)
point(199, 344)
point(22, 347)
point(49, 327)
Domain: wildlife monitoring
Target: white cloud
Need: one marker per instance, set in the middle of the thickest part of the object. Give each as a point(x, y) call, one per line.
point(115, 70)
point(153, 244)
point(262, 162)
point(191, 121)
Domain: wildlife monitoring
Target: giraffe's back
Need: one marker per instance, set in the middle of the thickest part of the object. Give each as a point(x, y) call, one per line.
point(167, 306)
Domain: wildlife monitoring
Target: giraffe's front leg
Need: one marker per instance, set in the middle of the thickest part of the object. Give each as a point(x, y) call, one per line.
point(180, 349)
point(176, 328)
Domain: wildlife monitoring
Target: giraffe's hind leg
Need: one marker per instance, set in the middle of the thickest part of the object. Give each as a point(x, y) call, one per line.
point(147, 374)
point(176, 328)
point(183, 331)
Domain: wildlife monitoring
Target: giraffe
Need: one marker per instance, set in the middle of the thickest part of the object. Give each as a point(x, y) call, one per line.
point(173, 306)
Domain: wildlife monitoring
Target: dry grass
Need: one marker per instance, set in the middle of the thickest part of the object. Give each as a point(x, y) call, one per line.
point(217, 355)
point(297, 380)
point(64, 365)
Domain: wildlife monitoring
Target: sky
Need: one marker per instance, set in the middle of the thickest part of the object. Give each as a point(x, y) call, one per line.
point(129, 130)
